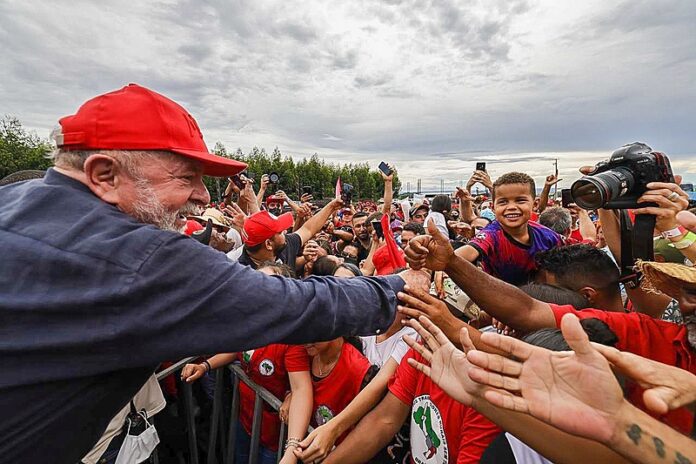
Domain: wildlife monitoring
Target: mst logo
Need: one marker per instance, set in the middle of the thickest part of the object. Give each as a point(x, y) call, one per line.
point(323, 414)
point(266, 367)
point(428, 441)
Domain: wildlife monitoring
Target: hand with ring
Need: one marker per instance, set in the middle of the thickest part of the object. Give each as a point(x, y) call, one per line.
point(669, 199)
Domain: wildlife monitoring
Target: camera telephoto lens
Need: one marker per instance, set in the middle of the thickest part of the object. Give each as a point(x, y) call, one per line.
point(592, 192)
point(273, 178)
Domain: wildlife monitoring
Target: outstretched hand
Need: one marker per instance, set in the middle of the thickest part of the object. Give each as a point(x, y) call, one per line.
point(433, 251)
point(448, 366)
point(572, 391)
point(666, 387)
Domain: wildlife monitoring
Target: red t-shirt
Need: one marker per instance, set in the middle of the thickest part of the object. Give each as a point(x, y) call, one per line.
point(442, 429)
point(577, 236)
point(650, 338)
point(269, 367)
point(335, 391)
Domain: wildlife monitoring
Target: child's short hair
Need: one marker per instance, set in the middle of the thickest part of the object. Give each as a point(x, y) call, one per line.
point(515, 178)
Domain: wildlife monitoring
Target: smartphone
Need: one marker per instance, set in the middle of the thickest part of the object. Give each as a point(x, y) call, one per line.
point(566, 198)
point(377, 225)
point(384, 167)
point(347, 194)
point(481, 166)
point(307, 190)
point(237, 180)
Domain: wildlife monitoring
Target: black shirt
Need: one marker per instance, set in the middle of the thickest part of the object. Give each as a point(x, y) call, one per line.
point(293, 245)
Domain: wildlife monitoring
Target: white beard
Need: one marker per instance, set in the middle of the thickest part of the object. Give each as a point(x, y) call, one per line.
point(149, 210)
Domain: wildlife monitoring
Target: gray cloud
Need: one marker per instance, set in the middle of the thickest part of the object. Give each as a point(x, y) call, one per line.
point(433, 85)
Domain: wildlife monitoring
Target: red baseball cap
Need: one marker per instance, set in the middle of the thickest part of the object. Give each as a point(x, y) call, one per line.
point(263, 225)
point(136, 118)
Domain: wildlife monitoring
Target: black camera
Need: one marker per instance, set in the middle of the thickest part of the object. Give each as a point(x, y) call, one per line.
point(347, 194)
point(273, 178)
point(620, 181)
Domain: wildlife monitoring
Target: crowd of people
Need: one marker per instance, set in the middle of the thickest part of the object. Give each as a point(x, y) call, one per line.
point(462, 328)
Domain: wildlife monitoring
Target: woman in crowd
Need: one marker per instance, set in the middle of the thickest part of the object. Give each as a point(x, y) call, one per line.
point(384, 351)
point(278, 368)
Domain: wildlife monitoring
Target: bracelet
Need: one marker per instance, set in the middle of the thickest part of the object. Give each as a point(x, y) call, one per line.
point(291, 443)
point(686, 242)
point(674, 233)
point(207, 365)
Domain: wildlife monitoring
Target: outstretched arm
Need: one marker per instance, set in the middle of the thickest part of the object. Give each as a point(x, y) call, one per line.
point(372, 433)
point(314, 224)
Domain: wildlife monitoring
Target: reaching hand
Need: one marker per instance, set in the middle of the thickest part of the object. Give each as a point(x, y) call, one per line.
point(575, 392)
point(264, 182)
point(284, 410)
point(433, 251)
point(236, 215)
point(318, 444)
point(552, 180)
point(306, 198)
point(419, 303)
point(483, 178)
point(666, 387)
point(449, 366)
point(192, 372)
point(311, 251)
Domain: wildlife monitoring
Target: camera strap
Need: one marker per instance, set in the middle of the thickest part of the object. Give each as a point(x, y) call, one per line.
point(636, 243)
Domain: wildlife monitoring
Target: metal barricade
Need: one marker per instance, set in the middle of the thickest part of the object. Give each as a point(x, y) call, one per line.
point(223, 432)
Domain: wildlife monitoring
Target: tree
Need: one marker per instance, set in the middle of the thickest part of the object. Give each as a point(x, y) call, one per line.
point(21, 150)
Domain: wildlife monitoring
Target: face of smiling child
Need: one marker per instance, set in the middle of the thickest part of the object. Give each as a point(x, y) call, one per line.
point(513, 205)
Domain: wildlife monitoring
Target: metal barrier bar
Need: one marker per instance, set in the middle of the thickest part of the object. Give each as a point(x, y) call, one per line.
point(281, 441)
point(256, 430)
point(190, 422)
point(175, 367)
point(234, 415)
point(215, 416)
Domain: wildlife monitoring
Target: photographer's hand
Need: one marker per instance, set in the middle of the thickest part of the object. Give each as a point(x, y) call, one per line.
point(669, 198)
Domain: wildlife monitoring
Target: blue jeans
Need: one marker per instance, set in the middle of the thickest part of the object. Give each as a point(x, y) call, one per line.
point(242, 445)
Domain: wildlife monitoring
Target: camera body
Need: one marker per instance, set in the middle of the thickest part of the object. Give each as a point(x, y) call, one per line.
point(619, 182)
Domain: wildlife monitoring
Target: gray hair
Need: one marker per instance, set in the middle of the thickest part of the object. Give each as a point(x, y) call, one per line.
point(130, 159)
point(557, 219)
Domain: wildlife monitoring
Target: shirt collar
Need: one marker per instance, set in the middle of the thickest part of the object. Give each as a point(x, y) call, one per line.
point(54, 177)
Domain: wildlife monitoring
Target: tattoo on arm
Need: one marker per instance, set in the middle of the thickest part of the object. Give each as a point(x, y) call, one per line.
point(681, 459)
point(634, 433)
point(659, 447)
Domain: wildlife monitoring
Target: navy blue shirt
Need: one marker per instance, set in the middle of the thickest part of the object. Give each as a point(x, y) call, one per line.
point(91, 301)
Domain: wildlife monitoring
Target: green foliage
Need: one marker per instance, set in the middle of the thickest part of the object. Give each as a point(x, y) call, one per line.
point(21, 150)
point(312, 171)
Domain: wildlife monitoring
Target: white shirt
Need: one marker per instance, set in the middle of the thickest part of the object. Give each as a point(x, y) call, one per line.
point(393, 347)
point(439, 220)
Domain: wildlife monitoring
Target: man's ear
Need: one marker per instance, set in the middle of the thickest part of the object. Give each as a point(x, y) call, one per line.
point(268, 244)
point(102, 177)
point(589, 293)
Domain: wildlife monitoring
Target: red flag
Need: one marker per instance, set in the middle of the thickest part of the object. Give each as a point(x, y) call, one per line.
point(339, 190)
point(390, 257)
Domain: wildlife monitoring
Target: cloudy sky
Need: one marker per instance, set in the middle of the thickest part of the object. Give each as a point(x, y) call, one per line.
point(432, 86)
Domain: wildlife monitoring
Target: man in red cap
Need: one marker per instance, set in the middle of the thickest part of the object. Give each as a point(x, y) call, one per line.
point(102, 290)
point(265, 238)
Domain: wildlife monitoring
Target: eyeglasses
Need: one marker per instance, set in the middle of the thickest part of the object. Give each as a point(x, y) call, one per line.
point(347, 256)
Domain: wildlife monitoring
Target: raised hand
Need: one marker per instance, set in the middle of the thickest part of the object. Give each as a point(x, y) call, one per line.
point(552, 180)
point(666, 387)
point(448, 367)
point(575, 392)
point(432, 251)
point(236, 215)
point(669, 199)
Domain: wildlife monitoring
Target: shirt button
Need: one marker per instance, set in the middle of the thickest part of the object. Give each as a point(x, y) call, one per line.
point(378, 331)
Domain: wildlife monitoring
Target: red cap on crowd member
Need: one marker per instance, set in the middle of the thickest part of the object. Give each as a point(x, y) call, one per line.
point(136, 118)
point(263, 225)
point(191, 227)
